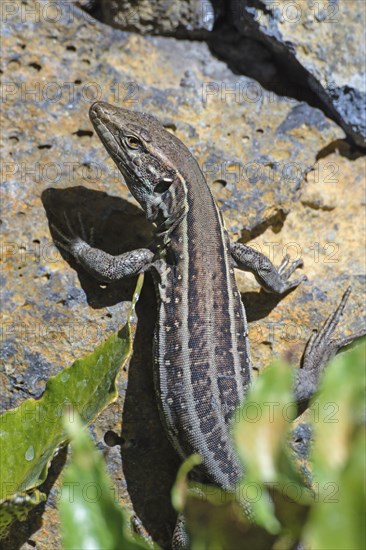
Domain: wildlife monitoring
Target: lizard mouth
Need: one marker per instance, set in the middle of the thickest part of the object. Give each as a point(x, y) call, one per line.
point(110, 124)
point(100, 110)
point(101, 114)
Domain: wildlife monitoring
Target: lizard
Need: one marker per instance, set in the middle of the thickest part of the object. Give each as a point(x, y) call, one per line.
point(202, 367)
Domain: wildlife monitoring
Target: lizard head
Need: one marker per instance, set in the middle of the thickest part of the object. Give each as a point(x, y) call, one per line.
point(146, 154)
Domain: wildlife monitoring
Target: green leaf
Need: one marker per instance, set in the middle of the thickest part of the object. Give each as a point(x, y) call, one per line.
point(337, 518)
point(261, 430)
point(181, 485)
point(31, 433)
point(338, 413)
point(285, 511)
point(261, 425)
point(90, 516)
point(215, 520)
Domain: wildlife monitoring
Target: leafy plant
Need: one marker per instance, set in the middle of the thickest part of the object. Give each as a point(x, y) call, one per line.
point(329, 513)
point(326, 512)
point(90, 517)
point(31, 433)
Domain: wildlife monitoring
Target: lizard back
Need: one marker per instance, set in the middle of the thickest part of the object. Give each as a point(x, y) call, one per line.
point(200, 348)
point(201, 351)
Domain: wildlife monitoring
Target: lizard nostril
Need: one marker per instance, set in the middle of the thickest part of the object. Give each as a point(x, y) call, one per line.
point(96, 109)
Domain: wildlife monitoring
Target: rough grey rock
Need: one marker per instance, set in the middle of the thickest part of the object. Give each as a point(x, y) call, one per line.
point(193, 18)
point(322, 43)
point(259, 152)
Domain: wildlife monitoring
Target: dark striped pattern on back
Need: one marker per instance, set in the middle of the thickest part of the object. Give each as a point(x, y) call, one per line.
point(201, 347)
point(202, 359)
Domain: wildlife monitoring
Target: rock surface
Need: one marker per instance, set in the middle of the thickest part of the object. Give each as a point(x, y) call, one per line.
point(279, 169)
point(191, 18)
point(323, 43)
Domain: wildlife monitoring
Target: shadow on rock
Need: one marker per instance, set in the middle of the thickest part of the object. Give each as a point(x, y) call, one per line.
point(109, 223)
point(149, 462)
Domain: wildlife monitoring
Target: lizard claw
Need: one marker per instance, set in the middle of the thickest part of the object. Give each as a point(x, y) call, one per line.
point(65, 238)
point(69, 241)
point(286, 274)
point(284, 264)
point(71, 228)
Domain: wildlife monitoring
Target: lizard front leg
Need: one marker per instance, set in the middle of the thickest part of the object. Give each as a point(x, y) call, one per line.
point(321, 347)
point(103, 266)
point(271, 278)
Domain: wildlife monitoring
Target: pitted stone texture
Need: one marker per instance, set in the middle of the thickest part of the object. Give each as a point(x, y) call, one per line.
point(322, 43)
point(256, 149)
point(193, 18)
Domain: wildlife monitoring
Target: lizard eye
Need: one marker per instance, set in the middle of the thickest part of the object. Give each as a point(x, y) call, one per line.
point(133, 142)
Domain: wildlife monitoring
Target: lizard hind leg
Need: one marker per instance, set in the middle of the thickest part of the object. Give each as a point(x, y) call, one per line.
point(320, 349)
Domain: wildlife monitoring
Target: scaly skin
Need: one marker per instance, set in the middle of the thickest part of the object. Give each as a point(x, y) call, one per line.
point(202, 363)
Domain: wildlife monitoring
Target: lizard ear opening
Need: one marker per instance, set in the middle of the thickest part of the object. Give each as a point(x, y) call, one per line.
point(163, 185)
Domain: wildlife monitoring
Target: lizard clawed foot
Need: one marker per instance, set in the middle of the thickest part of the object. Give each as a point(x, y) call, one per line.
point(320, 349)
point(286, 273)
point(277, 280)
point(72, 242)
point(271, 278)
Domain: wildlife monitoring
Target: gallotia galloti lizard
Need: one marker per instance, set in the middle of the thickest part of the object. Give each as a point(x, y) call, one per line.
point(202, 368)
